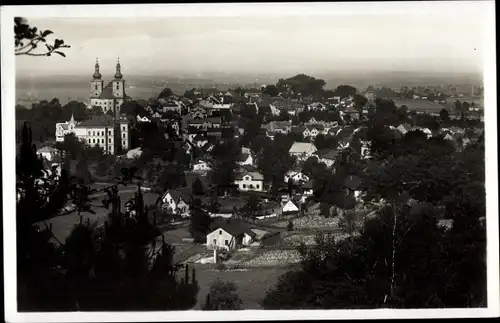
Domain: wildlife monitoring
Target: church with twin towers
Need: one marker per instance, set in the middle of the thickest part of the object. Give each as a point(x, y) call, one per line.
point(111, 96)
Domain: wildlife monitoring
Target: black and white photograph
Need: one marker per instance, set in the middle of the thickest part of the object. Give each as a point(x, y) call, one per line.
point(194, 162)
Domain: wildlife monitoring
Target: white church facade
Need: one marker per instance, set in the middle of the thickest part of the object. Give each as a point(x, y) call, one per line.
point(110, 96)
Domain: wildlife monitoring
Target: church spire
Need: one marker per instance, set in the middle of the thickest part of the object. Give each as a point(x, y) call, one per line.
point(72, 120)
point(118, 74)
point(97, 75)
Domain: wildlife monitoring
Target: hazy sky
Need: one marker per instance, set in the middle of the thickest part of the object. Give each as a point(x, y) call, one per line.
point(288, 45)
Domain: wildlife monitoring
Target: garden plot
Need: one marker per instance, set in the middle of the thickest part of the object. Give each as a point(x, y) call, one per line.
point(311, 222)
point(310, 240)
point(274, 258)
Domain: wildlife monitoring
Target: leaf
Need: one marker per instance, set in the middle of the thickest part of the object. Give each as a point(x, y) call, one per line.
point(62, 54)
point(46, 33)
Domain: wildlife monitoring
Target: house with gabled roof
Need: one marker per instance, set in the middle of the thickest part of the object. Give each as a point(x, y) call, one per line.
point(290, 208)
point(296, 177)
point(316, 106)
point(404, 128)
point(198, 112)
point(315, 130)
point(326, 156)
point(176, 201)
point(48, 153)
point(143, 118)
point(302, 150)
point(64, 128)
point(245, 159)
point(250, 181)
point(200, 166)
point(229, 235)
point(283, 127)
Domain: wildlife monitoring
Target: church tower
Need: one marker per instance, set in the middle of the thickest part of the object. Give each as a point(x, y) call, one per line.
point(96, 85)
point(118, 83)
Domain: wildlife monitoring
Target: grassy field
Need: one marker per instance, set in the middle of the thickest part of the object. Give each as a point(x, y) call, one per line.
point(252, 285)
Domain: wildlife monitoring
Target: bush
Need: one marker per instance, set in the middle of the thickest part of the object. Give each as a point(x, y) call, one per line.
point(222, 296)
point(289, 227)
point(220, 266)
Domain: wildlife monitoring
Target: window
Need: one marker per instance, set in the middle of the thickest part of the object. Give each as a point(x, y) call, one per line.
point(124, 142)
point(215, 242)
point(102, 141)
point(123, 136)
point(124, 128)
point(226, 242)
point(257, 186)
point(220, 231)
point(93, 133)
point(109, 132)
point(244, 186)
point(102, 133)
point(110, 148)
point(89, 132)
point(93, 141)
point(109, 140)
point(117, 85)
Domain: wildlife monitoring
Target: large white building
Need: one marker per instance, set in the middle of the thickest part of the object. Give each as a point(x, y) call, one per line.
point(103, 131)
point(111, 96)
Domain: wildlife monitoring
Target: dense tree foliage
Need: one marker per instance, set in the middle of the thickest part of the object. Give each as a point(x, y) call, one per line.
point(224, 162)
point(273, 159)
point(301, 83)
point(222, 296)
point(200, 221)
point(124, 266)
point(402, 257)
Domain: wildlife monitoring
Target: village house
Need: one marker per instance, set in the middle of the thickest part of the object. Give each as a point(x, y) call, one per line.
point(302, 150)
point(365, 149)
point(250, 181)
point(290, 208)
point(316, 106)
point(142, 118)
point(326, 156)
point(212, 122)
point(307, 189)
point(200, 166)
point(196, 123)
point(245, 159)
point(294, 109)
point(220, 107)
point(312, 120)
point(64, 128)
point(48, 153)
point(283, 127)
point(404, 128)
point(198, 112)
point(171, 105)
point(229, 236)
point(296, 177)
point(176, 202)
point(350, 111)
point(315, 130)
point(134, 153)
